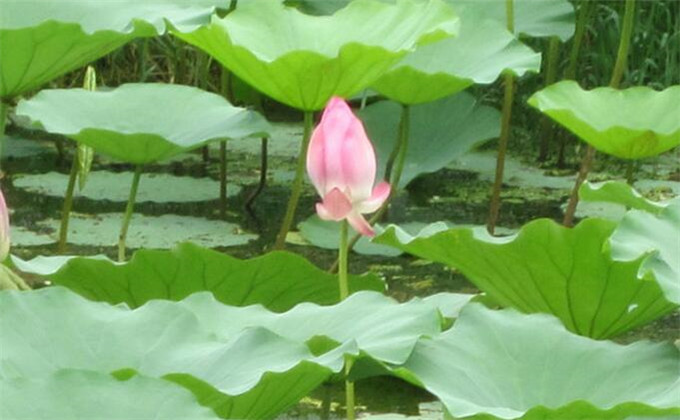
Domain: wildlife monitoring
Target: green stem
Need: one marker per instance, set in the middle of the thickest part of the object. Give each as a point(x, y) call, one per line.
point(342, 258)
point(624, 45)
point(4, 109)
point(510, 15)
point(583, 15)
point(545, 131)
point(343, 252)
point(615, 81)
point(349, 392)
point(68, 205)
point(495, 205)
point(570, 72)
point(494, 208)
point(297, 183)
point(128, 213)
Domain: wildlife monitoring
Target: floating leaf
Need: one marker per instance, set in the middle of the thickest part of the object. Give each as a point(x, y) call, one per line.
point(115, 186)
point(41, 40)
point(640, 127)
point(158, 232)
point(451, 126)
point(85, 395)
point(278, 280)
point(542, 18)
point(547, 268)
point(303, 60)
point(479, 54)
point(656, 238)
point(510, 366)
point(152, 121)
point(326, 234)
point(618, 193)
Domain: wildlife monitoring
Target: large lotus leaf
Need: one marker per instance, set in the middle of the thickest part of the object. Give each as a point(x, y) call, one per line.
point(512, 366)
point(232, 359)
point(547, 268)
point(303, 60)
point(657, 239)
point(53, 329)
point(439, 132)
point(618, 193)
point(41, 40)
point(479, 54)
point(141, 123)
point(535, 18)
point(85, 395)
point(381, 327)
point(642, 126)
point(278, 280)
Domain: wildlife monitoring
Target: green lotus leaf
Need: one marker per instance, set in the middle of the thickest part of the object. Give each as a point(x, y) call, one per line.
point(41, 40)
point(278, 280)
point(303, 60)
point(642, 125)
point(54, 329)
point(543, 18)
point(232, 359)
point(380, 327)
point(85, 395)
point(510, 366)
point(478, 55)
point(452, 126)
point(141, 123)
point(618, 193)
point(547, 268)
point(656, 238)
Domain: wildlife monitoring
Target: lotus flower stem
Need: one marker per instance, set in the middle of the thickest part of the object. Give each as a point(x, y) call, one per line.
point(343, 252)
point(68, 205)
point(495, 205)
point(263, 174)
point(615, 82)
point(128, 213)
point(297, 183)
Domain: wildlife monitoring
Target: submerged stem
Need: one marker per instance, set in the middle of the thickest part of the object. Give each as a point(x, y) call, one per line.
point(297, 183)
point(128, 213)
point(615, 82)
point(68, 205)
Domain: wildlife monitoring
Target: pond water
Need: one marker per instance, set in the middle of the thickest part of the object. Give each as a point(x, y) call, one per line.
point(178, 200)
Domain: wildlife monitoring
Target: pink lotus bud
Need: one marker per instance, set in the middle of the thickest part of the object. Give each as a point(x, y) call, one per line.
point(4, 228)
point(341, 164)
